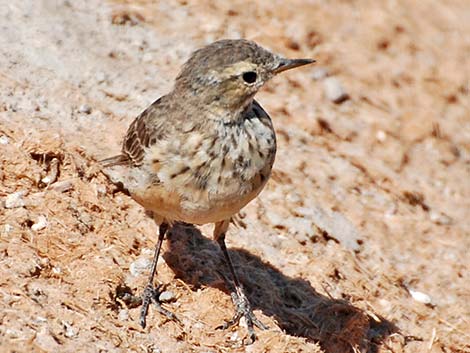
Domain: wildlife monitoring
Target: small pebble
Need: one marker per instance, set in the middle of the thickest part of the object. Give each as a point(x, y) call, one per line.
point(40, 320)
point(440, 218)
point(420, 296)
point(4, 140)
point(56, 270)
point(100, 189)
point(15, 200)
point(197, 325)
point(46, 180)
point(85, 109)
point(44, 341)
point(123, 315)
point(334, 91)
point(69, 330)
point(11, 333)
point(41, 223)
point(166, 296)
point(100, 77)
point(381, 136)
point(139, 266)
point(234, 336)
point(7, 229)
point(61, 186)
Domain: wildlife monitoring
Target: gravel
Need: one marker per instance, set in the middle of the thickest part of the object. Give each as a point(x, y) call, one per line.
point(334, 90)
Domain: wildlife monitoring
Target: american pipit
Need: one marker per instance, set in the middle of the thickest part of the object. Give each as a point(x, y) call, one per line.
point(202, 152)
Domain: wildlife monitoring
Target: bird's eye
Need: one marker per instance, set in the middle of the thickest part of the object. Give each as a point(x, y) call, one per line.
point(250, 77)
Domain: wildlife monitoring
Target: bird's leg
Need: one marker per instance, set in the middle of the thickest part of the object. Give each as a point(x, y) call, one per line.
point(242, 305)
point(151, 293)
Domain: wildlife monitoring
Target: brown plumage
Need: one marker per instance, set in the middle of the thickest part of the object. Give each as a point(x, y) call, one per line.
point(202, 152)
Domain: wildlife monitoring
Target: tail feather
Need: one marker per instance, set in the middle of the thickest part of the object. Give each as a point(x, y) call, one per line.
point(115, 178)
point(114, 161)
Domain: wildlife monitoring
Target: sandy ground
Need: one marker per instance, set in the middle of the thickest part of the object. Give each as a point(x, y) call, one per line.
point(360, 241)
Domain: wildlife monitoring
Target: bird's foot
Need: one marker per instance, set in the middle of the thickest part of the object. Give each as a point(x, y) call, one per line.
point(151, 295)
point(243, 309)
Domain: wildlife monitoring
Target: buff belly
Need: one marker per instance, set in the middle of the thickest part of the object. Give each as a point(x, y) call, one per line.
point(195, 206)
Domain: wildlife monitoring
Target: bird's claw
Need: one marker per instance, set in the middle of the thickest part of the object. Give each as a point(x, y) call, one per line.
point(151, 295)
point(243, 309)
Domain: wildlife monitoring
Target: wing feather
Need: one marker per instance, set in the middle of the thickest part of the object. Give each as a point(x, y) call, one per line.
point(142, 133)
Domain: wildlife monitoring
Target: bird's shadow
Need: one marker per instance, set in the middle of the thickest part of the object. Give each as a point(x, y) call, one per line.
point(337, 325)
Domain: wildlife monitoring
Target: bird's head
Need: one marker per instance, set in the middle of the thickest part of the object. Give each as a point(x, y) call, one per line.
point(228, 73)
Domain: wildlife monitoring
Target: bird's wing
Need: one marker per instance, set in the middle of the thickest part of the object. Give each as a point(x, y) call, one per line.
point(144, 131)
point(260, 112)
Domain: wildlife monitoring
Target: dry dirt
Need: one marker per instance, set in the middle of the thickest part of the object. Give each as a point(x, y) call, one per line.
point(360, 241)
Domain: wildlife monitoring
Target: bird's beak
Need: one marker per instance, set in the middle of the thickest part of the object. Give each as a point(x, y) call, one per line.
point(287, 64)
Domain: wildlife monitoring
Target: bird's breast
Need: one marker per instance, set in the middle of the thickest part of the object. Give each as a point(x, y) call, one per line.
point(209, 174)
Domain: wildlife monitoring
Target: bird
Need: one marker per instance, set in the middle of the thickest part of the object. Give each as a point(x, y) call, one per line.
point(203, 151)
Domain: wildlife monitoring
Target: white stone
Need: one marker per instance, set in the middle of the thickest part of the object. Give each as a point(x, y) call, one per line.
point(234, 336)
point(7, 228)
point(4, 140)
point(100, 77)
point(40, 224)
point(15, 200)
point(381, 136)
point(69, 330)
point(440, 218)
point(420, 296)
point(166, 296)
point(334, 91)
point(45, 342)
point(139, 266)
point(123, 315)
point(56, 270)
point(100, 189)
point(85, 109)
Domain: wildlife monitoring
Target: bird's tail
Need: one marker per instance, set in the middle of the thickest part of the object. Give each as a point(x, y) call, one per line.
point(114, 161)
